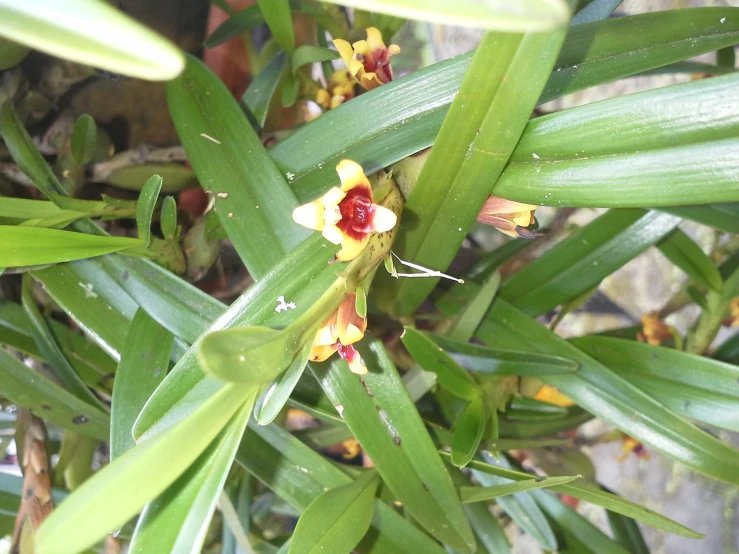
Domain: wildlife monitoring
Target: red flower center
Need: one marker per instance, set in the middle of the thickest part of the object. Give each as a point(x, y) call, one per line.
point(349, 353)
point(378, 62)
point(357, 212)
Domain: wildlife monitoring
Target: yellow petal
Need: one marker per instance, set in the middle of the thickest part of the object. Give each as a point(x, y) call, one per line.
point(355, 67)
point(392, 50)
point(337, 100)
point(332, 198)
point(351, 335)
point(362, 47)
point(351, 248)
point(524, 219)
point(369, 81)
point(351, 175)
point(356, 366)
point(321, 353)
point(323, 98)
point(326, 336)
point(374, 39)
point(310, 215)
point(332, 234)
point(383, 219)
point(551, 395)
point(345, 50)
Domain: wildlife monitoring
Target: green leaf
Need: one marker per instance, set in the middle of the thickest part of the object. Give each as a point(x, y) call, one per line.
point(258, 97)
point(251, 354)
point(144, 363)
point(338, 519)
point(626, 532)
point(583, 259)
point(29, 389)
point(78, 288)
point(481, 494)
point(107, 500)
point(91, 33)
point(301, 278)
point(479, 133)
point(11, 53)
point(680, 249)
point(605, 394)
point(468, 430)
point(168, 219)
point(308, 53)
point(520, 507)
point(178, 519)
point(280, 21)
point(24, 208)
point(92, 364)
point(289, 91)
point(252, 16)
point(29, 246)
point(643, 359)
point(433, 358)
point(591, 494)
point(375, 408)
point(299, 475)
point(463, 327)
point(724, 217)
point(232, 164)
point(51, 351)
point(694, 387)
point(178, 306)
point(84, 140)
point(145, 207)
point(488, 529)
point(528, 15)
point(270, 404)
point(614, 49)
point(483, 359)
point(564, 158)
point(24, 152)
point(576, 524)
point(595, 11)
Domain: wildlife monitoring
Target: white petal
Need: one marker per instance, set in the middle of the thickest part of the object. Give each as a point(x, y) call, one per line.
point(332, 234)
point(383, 219)
point(309, 215)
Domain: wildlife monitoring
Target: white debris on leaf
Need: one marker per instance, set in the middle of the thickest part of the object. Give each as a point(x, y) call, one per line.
point(535, 155)
point(89, 293)
point(283, 306)
point(290, 175)
point(210, 138)
point(222, 195)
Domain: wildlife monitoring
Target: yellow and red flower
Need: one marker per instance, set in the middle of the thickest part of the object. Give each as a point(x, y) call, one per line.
point(347, 215)
point(654, 330)
point(340, 89)
point(509, 217)
point(368, 61)
point(338, 333)
point(629, 445)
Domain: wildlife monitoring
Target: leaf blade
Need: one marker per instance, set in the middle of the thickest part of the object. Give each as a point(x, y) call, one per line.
point(338, 519)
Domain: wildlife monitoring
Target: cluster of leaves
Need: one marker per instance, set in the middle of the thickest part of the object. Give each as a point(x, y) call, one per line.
point(654, 158)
